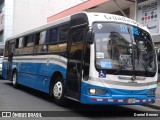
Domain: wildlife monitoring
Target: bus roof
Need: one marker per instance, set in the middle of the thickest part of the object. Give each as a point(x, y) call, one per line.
point(92, 17)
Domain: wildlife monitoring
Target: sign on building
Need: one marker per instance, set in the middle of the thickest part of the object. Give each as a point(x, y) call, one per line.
point(148, 13)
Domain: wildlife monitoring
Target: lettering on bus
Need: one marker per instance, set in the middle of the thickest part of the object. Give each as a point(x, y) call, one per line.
point(124, 29)
point(123, 19)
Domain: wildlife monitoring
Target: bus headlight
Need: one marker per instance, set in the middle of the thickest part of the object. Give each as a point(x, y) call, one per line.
point(151, 92)
point(94, 91)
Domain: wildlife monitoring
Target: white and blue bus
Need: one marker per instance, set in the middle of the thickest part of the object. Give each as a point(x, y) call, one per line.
point(93, 58)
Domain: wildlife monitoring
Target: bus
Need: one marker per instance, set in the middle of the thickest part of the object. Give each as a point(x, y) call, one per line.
point(92, 58)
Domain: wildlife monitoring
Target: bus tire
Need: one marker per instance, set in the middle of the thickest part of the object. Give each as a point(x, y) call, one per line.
point(14, 79)
point(57, 91)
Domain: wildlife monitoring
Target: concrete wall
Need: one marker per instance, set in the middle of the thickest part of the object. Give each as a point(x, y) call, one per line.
point(61, 5)
point(29, 14)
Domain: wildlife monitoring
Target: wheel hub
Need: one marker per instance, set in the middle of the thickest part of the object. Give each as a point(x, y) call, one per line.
point(57, 90)
point(14, 78)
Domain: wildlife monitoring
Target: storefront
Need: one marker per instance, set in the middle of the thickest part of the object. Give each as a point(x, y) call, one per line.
point(148, 14)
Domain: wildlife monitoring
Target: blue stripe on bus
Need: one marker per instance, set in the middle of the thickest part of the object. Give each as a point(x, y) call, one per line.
point(36, 75)
point(113, 94)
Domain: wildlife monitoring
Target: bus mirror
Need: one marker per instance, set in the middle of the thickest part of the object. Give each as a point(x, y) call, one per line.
point(89, 38)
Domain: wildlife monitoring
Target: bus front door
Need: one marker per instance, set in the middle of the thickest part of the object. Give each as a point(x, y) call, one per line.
point(75, 61)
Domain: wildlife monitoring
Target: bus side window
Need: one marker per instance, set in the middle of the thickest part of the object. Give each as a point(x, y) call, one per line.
point(25, 41)
point(30, 40)
point(53, 35)
point(16, 47)
point(40, 43)
point(17, 43)
point(37, 38)
point(63, 34)
point(20, 42)
point(6, 49)
point(63, 38)
point(42, 37)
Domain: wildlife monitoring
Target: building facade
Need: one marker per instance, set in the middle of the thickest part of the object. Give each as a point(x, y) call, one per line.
point(29, 14)
point(148, 14)
point(6, 21)
point(17, 16)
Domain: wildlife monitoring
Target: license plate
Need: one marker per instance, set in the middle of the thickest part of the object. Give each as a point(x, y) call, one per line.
point(131, 100)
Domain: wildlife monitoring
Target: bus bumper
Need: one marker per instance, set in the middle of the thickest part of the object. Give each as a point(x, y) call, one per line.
point(114, 99)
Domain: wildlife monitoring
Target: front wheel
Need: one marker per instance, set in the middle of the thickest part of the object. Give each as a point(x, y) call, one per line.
point(14, 79)
point(57, 91)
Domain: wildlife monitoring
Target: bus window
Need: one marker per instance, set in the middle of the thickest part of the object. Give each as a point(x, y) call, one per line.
point(17, 43)
point(30, 40)
point(37, 38)
point(42, 37)
point(63, 34)
point(25, 41)
point(53, 35)
point(6, 49)
point(55, 44)
point(20, 42)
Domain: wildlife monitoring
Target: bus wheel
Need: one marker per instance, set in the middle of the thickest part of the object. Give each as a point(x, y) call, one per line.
point(14, 79)
point(57, 91)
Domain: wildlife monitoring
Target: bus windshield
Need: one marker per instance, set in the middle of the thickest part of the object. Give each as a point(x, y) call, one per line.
point(122, 47)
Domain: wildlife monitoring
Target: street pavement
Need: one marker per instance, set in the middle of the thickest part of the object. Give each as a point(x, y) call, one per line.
point(26, 99)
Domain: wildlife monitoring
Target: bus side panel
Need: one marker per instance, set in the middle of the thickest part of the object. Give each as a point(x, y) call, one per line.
point(34, 81)
point(41, 69)
point(38, 75)
point(4, 69)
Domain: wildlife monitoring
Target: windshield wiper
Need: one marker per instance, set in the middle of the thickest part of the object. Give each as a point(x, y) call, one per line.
point(123, 65)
